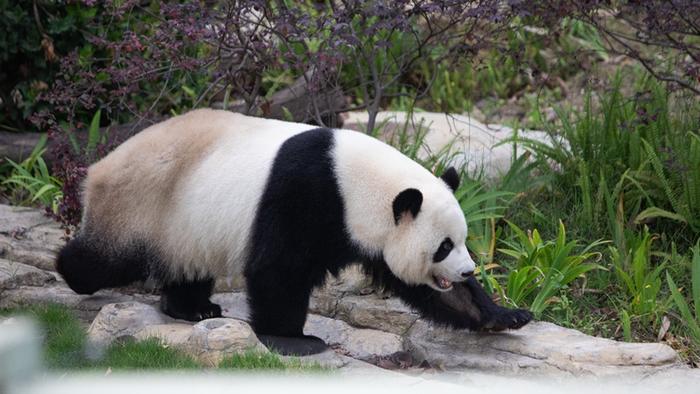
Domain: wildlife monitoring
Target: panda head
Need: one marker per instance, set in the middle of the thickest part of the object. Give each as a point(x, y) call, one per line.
point(427, 244)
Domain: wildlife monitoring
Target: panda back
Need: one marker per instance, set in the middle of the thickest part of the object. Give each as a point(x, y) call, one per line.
point(215, 205)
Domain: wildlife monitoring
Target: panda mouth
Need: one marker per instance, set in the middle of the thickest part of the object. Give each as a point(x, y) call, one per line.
point(442, 282)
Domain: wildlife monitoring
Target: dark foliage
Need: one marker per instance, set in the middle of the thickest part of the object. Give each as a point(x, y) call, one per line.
point(140, 59)
point(33, 37)
point(136, 60)
point(662, 35)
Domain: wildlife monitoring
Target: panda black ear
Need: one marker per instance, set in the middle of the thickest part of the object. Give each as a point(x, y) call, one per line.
point(451, 177)
point(408, 200)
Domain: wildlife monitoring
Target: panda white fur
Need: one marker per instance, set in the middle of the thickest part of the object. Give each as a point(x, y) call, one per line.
point(214, 194)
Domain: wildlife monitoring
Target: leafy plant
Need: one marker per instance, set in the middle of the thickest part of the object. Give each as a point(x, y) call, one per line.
point(478, 203)
point(632, 147)
point(639, 276)
point(30, 181)
point(690, 312)
point(543, 268)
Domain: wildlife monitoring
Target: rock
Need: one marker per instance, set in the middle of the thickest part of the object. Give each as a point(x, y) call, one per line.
point(214, 339)
point(344, 365)
point(359, 343)
point(124, 319)
point(328, 359)
point(473, 143)
point(13, 274)
point(390, 314)
point(28, 236)
point(537, 347)
point(233, 305)
point(173, 334)
point(86, 307)
point(324, 303)
point(324, 300)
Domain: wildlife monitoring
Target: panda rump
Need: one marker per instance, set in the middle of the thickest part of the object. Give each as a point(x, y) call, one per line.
point(213, 194)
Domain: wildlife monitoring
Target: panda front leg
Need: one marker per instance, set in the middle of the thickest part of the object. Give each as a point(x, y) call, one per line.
point(466, 305)
point(278, 308)
point(189, 299)
point(493, 316)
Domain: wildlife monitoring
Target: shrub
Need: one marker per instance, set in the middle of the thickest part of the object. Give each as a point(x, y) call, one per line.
point(639, 276)
point(633, 150)
point(543, 268)
point(689, 311)
point(30, 182)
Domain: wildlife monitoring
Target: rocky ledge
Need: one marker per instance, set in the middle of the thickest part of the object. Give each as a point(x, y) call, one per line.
point(364, 329)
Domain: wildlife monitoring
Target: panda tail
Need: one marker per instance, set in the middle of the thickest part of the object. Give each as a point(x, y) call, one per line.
point(87, 269)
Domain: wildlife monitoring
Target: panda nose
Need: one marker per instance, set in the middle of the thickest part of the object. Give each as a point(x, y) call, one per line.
point(467, 274)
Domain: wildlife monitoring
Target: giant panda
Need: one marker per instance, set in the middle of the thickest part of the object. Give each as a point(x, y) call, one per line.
point(214, 194)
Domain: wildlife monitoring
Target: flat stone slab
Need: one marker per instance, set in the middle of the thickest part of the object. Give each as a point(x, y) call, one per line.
point(28, 236)
point(537, 347)
point(14, 274)
point(359, 343)
point(86, 307)
point(389, 314)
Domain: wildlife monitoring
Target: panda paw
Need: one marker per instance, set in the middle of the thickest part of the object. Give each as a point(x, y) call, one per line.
point(203, 312)
point(504, 319)
point(209, 312)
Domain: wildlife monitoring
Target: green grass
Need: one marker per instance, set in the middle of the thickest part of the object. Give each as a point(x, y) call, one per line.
point(145, 355)
point(65, 339)
point(267, 361)
point(64, 336)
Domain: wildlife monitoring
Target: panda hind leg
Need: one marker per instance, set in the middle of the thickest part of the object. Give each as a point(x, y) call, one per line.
point(189, 300)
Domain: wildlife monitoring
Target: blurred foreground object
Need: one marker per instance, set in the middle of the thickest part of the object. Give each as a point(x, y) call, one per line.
point(20, 353)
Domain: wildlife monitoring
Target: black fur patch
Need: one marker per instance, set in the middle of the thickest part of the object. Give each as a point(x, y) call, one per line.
point(88, 266)
point(189, 300)
point(443, 250)
point(409, 200)
point(451, 178)
point(298, 235)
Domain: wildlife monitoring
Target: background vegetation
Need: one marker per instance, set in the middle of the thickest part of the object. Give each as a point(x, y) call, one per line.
point(598, 229)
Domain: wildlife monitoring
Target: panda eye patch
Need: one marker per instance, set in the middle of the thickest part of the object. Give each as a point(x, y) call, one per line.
point(443, 250)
